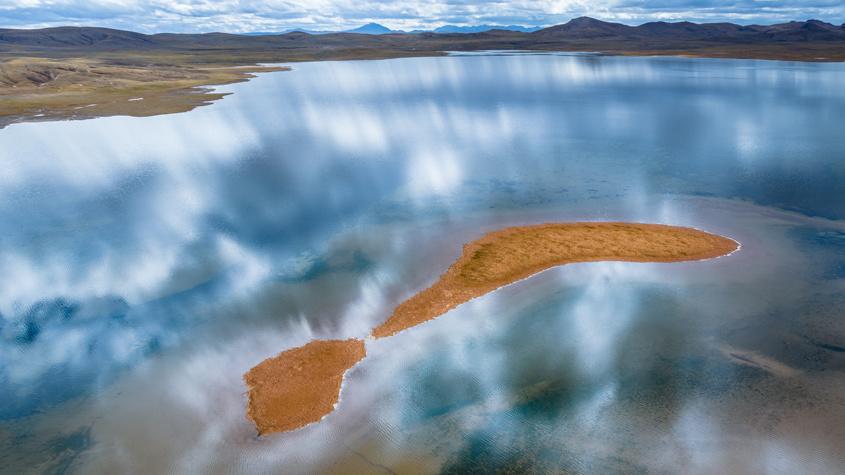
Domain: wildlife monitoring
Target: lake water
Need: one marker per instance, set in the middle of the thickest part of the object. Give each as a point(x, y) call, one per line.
point(147, 263)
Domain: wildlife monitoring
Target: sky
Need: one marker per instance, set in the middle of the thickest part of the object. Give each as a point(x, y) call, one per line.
point(240, 16)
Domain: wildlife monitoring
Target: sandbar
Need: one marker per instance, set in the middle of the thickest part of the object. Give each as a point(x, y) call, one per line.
point(511, 254)
point(301, 385)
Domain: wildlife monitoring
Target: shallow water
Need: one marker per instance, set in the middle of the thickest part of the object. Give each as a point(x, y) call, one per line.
point(149, 262)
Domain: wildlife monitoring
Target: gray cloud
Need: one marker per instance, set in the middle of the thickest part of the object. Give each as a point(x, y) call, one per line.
point(263, 15)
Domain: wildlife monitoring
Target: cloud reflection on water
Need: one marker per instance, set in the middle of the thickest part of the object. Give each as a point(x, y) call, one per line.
point(307, 204)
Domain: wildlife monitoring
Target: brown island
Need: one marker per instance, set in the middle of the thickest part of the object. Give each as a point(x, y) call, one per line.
point(300, 386)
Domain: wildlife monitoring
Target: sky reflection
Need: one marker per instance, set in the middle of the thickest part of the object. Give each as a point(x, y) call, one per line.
point(151, 261)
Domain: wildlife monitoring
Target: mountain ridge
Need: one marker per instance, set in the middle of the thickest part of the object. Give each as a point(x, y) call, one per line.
point(586, 28)
point(577, 29)
point(371, 29)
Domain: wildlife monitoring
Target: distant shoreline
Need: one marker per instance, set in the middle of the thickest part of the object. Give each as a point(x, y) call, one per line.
point(302, 385)
point(87, 100)
point(86, 72)
point(139, 91)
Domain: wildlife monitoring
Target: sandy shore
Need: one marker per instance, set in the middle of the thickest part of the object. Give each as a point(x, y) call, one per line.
point(301, 385)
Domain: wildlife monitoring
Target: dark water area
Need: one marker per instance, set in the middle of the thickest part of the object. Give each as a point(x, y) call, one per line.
point(149, 262)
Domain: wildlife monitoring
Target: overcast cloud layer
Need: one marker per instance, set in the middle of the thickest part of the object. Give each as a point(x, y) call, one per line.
point(278, 15)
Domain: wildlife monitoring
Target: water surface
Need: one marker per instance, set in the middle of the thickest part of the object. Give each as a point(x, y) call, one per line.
point(149, 262)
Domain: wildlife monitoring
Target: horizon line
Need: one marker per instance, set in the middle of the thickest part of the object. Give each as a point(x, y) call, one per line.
point(418, 30)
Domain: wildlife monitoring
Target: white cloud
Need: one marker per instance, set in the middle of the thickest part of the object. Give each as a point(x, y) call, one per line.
point(277, 15)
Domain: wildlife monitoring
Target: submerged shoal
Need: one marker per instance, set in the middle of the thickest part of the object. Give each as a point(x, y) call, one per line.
point(301, 385)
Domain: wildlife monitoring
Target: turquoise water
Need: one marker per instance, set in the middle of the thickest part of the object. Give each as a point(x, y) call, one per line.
point(149, 262)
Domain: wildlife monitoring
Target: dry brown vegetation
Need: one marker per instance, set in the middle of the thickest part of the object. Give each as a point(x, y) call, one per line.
point(502, 257)
point(72, 88)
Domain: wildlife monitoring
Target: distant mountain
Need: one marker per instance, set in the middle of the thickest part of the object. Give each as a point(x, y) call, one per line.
point(584, 28)
point(71, 36)
point(482, 28)
point(376, 29)
point(292, 30)
point(368, 29)
point(688, 30)
point(371, 29)
point(810, 30)
point(584, 34)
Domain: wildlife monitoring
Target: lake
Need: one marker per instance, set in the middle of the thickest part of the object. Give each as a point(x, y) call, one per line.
point(149, 262)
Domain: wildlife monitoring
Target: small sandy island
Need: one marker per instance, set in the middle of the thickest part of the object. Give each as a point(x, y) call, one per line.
point(301, 385)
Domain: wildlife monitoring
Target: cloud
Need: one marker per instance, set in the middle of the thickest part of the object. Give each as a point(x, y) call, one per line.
point(278, 15)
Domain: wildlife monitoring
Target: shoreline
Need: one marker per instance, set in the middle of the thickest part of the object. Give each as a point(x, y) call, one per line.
point(281, 397)
point(182, 85)
point(90, 89)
